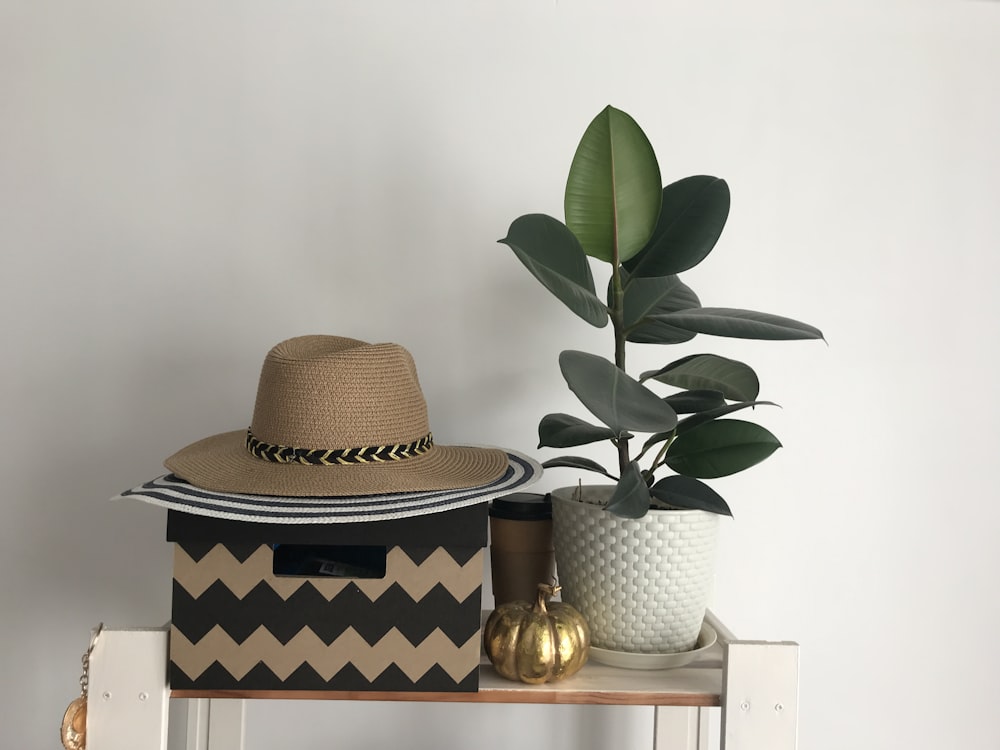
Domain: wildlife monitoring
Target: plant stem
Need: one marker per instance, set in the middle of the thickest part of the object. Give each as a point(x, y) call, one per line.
point(658, 461)
point(617, 314)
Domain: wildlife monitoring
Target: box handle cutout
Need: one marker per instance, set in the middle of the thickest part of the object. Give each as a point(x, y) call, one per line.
point(329, 560)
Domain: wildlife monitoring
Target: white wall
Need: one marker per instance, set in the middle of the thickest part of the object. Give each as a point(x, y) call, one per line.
point(183, 184)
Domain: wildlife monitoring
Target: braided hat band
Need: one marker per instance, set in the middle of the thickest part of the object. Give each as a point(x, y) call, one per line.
point(285, 454)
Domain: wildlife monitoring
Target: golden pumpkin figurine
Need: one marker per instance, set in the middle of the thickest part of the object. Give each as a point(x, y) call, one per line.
point(537, 643)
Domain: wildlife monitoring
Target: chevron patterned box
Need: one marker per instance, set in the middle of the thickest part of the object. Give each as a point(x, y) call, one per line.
point(388, 605)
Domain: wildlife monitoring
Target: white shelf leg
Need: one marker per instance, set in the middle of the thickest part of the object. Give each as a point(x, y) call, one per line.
point(680, 728)
point(196, 725)
point(760, 696)
point(215, 724)
point(128, 695)
point(226, 724)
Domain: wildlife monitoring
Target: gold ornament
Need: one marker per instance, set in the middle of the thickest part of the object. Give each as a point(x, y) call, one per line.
point(73, 732)
point(536, 644)
point(74, 725)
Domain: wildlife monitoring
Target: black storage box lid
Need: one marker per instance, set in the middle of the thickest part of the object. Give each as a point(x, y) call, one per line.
point(461, 527)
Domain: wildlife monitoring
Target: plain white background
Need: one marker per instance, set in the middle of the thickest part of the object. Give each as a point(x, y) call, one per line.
point(184, 184)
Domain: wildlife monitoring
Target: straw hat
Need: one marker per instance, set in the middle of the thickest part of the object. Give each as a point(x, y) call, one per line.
point(337, 418)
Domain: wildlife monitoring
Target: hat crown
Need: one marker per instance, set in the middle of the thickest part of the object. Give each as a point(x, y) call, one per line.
point(331, 392)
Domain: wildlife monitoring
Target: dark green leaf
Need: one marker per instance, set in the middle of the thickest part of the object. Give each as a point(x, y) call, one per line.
point(613, 190)
point(655, 296)
point(736, 381)
point(720, 448)
point(692, 402)
point(631, 497)
point(577, 462)
point(740, 324)
point(552, 253)
point(646, 298)
point(613, 397)
point(654, 332)
point(694, 213)
point(688, 493)
point(706, 416)
point(565, 431)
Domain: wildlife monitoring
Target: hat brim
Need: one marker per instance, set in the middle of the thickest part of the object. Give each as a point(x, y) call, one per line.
point(222, 463)
point(171, 492)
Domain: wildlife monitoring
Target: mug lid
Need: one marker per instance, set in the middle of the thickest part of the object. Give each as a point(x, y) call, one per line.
point(522, 506)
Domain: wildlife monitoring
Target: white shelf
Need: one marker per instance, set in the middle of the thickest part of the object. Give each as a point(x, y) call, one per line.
point(753, 683)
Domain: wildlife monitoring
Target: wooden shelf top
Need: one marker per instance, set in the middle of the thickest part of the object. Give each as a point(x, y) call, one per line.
point(697, 684)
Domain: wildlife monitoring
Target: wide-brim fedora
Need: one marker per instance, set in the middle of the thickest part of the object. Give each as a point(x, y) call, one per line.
point(336, 417)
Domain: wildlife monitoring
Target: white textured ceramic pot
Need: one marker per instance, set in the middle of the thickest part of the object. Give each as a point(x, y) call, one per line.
point(642, 584)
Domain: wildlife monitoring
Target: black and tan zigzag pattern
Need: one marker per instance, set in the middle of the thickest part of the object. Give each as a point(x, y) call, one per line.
point(239, 617)
point(393, 679)
point(327, 660)
point(241, 573)
point(238, 626)
point(285, 454)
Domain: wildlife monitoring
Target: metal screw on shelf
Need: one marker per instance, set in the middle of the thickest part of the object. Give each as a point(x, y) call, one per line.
point(143, 696)
point(779, 707)
point(106, 695)
point(745, 706)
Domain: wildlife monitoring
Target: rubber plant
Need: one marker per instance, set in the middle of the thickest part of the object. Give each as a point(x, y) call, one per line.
point(618, 212)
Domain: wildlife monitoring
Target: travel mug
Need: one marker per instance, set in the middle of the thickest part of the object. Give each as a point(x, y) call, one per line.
point(521, 552)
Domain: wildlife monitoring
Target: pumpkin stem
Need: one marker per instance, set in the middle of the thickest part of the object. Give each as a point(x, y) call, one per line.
point(545, 592)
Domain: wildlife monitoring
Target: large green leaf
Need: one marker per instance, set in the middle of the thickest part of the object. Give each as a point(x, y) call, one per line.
point(565, 431)
point(552, 253)
point(736, 381)
point(655, 332)
point(655, 295)
point(740, 324)
point(703, 411)
point(694, 420)
point(577, 462)
point(720, 448)
point(631, 496)
point(613, 397)
point(695, 401)
point(694, 213)
point(646, 298)
point(688, 493)
point(613, 190)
